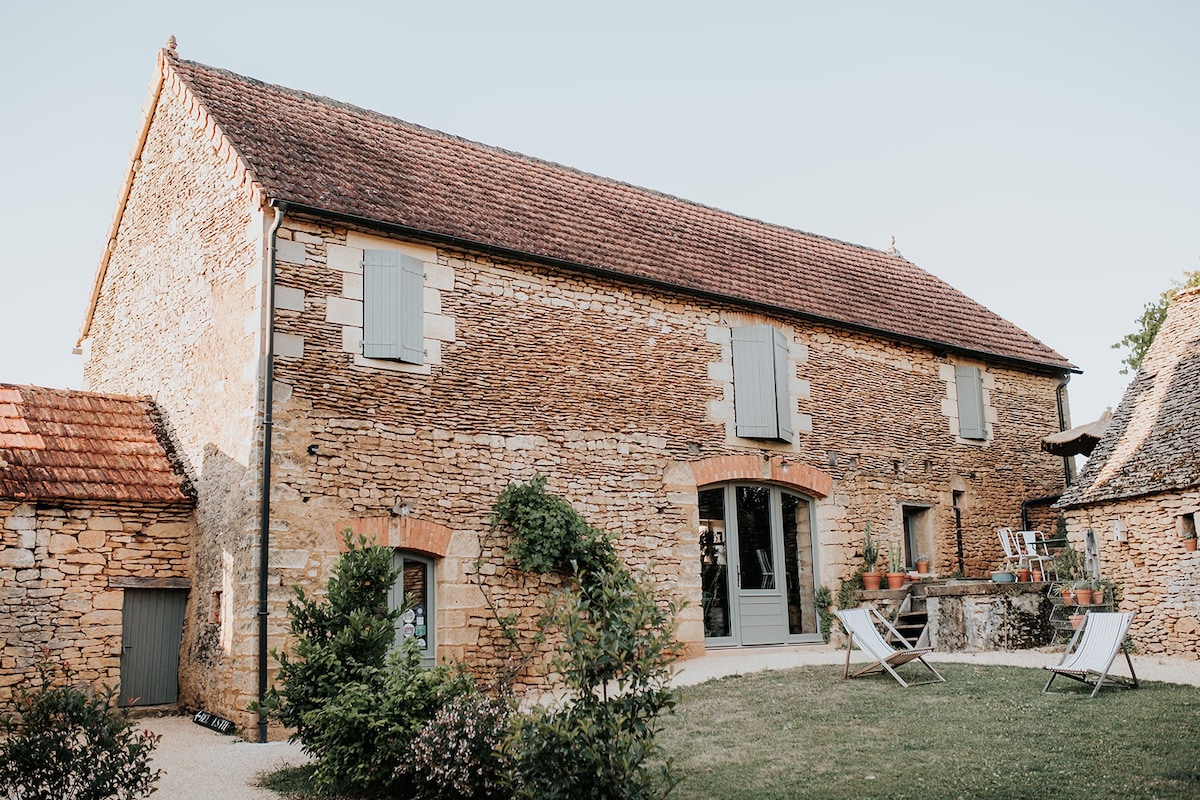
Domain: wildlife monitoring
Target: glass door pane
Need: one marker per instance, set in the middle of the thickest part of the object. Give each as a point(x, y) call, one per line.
point(756, 557)
point(798, 561)
point(714, 564)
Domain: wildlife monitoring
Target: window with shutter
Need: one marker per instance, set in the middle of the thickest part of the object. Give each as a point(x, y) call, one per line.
point(969, 388)
point(393, 306)
point(761, 400)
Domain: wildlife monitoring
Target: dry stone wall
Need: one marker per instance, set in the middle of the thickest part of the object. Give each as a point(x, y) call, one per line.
point(178, 318)
point(1158, 579)
point(611, 391)
point(60, 571)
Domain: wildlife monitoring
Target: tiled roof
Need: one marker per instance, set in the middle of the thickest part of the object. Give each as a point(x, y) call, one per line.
point(330, 156)
point(68, 445)
point(1152, 444)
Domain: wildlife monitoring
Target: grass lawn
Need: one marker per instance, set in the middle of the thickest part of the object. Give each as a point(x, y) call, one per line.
point(988, 732)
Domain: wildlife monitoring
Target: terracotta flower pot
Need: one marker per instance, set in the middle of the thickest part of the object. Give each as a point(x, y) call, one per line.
point(1190, 544)
point(923, 567)
point(1076, 621)
point(1067, 597)
point(1083, 597)
point(1023, 575)
point(1036, 575)
point(1097, 597)
point(871, 580)
point(895, 580)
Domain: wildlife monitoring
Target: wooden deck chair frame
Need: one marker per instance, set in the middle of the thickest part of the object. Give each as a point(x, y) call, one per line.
point(860, 625)
point(1092, 650)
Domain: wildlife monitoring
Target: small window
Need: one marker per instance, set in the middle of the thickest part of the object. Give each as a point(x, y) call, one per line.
point(761, 401)
point(412, 594)
point(969, 388)
point(393, 306)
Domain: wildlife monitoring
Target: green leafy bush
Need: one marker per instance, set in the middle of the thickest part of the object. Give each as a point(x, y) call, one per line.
point(617, 647)
point(546, 534)
point(355, 704)
point(69, 743)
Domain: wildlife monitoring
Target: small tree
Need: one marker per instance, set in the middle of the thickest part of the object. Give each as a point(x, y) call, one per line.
point(617, 647)
point(70, 743)
point(1150, 321)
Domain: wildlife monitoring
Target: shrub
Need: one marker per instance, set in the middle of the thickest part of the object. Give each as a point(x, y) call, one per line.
point(69, 743)
point(362, 737)
point(617, 647)
point(457, 753)
point(340, 641)
point(355, 704)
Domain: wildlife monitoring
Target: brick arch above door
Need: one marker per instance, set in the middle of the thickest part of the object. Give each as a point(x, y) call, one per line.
point(405, 533)
point(780, 470)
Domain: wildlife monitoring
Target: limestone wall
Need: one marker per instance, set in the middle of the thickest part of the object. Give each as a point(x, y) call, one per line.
point(58, 564)
point(179, 318)
point(1159, 580)
point(613, 392)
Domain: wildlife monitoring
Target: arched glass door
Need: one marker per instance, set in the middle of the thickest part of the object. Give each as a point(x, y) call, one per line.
point(757, 565)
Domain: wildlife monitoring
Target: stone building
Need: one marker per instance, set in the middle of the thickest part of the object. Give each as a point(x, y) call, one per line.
point(95, 537)
point(1138, 496)
point(417, 320)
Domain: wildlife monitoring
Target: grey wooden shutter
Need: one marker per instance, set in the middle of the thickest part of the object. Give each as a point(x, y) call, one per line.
point(969, 387)
point(393, 306)
point(783, 397)
point(762, 406)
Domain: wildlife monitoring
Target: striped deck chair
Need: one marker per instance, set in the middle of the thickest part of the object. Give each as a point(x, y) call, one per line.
point(1092, 650)
point(860, 624)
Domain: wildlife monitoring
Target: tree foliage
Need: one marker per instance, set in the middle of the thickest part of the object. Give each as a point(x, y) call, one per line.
point(1153, 314)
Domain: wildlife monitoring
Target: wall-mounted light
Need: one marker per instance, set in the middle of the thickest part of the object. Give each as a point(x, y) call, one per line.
point(312, 448)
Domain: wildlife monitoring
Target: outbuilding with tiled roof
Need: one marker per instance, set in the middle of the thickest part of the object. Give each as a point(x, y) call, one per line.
point(95, 538)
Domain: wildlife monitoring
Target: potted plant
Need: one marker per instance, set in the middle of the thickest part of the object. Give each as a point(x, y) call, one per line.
point(922, 564)
point(1068, 594)
point(1189, 540)
point(1036, 575)
point(1083, 593)
point(1077, 620)
point(1023, 574)
point(870, 552)
point(1097, 593)
point(895, 573)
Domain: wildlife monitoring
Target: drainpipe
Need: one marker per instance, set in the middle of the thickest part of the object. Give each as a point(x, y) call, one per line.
point(264, 525)
point(1062, 426)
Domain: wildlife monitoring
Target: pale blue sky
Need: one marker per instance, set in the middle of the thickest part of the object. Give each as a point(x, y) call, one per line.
point(1039, 156)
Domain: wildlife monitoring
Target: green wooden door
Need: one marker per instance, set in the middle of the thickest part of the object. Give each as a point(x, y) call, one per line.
point(151, 632)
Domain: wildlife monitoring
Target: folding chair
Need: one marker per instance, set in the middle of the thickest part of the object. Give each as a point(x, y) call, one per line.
point(1091, 652)
point(860, 624)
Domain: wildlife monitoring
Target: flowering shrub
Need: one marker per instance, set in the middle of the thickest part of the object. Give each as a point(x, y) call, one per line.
point(70, 743)
point(456, 755)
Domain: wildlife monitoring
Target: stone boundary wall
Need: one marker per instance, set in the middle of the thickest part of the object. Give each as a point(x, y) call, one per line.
point(1159, 580)
point(57, 564)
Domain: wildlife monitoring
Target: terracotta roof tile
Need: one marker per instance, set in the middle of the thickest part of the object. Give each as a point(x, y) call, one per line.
point(84, 446)
point(329, 156)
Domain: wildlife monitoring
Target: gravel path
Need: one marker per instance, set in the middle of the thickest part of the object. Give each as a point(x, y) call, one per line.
point(200, 764)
